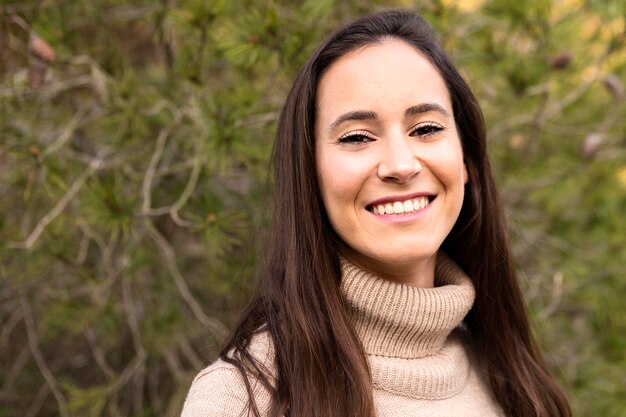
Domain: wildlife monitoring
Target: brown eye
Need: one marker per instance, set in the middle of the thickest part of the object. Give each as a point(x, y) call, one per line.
point(426, 129)
point(354, 138)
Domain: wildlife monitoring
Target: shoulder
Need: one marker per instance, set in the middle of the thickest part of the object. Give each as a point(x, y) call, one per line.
point(220, 390)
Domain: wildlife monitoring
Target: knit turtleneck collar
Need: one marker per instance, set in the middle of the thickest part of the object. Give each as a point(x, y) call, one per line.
point(407, 332)
point(397, 320)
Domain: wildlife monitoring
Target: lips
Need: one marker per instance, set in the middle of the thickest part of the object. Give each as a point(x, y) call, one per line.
point(402, 205)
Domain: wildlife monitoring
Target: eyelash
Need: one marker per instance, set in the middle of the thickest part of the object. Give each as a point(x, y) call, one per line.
point(426, 129)
point(355, 138)
point(358, 137)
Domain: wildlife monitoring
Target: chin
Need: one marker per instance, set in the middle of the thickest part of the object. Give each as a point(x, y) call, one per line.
point(389, 257)
point(407, 258)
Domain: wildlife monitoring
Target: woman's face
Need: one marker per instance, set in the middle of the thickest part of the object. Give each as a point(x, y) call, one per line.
point(389, 159)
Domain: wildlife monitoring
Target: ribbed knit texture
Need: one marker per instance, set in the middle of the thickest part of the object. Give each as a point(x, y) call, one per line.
point(414, 347)
point(404, 322)
point(396, 320)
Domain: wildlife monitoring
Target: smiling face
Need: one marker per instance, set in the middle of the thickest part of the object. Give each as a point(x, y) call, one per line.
point(389, 159)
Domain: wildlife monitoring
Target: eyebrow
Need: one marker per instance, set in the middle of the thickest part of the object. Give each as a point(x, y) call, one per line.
point(370, 115)
point(354, 115)
point(426, 108)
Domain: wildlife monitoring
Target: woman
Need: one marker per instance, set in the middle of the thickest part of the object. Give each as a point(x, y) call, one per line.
point(388, 287)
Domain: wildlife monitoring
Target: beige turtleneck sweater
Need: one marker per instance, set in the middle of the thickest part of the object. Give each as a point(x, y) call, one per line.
point(416, 354)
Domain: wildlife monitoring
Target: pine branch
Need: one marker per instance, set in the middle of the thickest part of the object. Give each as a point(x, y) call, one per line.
point(14, 372)
point(33, 344)
point(95, 164)
point(66, 134)
point(154, 162)
point(170, 259)
point(98, 354)
point(38, 401)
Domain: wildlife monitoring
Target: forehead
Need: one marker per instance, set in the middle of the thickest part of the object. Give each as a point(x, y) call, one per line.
point(390, 72)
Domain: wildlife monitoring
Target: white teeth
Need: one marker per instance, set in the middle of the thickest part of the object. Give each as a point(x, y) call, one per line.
point(420, 203)
point(399, 207)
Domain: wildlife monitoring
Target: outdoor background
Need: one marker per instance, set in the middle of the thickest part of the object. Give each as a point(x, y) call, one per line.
point(134, 149)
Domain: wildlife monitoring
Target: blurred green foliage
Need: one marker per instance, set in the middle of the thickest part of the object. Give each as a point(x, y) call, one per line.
point(134, 174)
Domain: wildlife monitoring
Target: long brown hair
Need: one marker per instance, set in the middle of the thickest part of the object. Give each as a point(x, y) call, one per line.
point(320, 365)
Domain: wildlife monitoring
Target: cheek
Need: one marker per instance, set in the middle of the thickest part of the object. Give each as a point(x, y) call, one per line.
point(451, 166)
point(340, 179)
point(335, 186)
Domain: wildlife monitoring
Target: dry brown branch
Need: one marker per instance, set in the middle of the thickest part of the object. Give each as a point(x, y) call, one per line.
point(33, 344)
point(136, 365)
point(107, 253)
point(14, 372)
point(128, 13)
point(509, 123)
point(153, 388)
point(556, 108)
point(178, 167)
point(88, 235)
point(611, 154)
point(261, 119)
point(99, 78)
point(548, 110)
point(160, 106)
point(98, 354)
point(49, 90)
point(83, 247)
point(7, 328)
point(183, 198)
point(133, 367)
point(170, 259)
point(189, 187)
point(152, 168)
point(114, 410)
point(20, 7)
point(154, 162)
point(173, 364)
point(38, 401)
point(102, 290)
point(80, 119)
point(555, 297)
point(140, 382)
point(18, 20)
point(189, 353)
point(95, 164)
point(84, 158)
point(132, 317)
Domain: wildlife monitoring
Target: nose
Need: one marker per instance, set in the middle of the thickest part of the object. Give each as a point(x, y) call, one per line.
point(398, 162)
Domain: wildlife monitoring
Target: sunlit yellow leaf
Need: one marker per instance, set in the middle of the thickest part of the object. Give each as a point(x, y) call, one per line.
point(621, 176)
point(464, 5)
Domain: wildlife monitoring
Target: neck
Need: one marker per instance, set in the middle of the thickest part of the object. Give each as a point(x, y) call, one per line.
point(416, 273)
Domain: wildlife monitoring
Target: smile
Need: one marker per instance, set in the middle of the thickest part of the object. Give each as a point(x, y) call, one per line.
point(400, 207)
